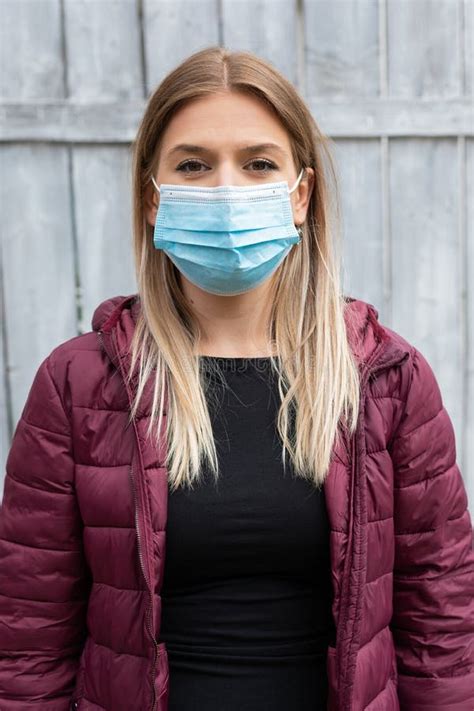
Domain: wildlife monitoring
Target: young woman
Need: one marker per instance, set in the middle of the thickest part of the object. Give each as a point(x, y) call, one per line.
point(239, 490)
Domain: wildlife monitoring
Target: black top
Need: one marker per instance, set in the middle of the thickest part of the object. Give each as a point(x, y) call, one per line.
point(246, 596)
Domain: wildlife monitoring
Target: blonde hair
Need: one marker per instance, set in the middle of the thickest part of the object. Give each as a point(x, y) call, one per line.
point(318, 377)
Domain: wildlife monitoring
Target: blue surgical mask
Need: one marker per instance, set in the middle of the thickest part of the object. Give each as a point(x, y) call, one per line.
point(226, 239)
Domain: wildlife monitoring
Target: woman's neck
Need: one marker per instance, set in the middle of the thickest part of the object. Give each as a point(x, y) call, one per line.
point(232, 327)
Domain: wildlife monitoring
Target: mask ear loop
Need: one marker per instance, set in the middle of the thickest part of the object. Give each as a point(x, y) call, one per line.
point(154, 183)
point(299, 229)
point(297, 181)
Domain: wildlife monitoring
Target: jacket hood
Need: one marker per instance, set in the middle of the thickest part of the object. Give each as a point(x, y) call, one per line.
point(118, 315)
point(108, 311)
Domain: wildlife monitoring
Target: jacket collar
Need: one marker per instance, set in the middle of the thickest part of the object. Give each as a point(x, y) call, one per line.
point(372, 343)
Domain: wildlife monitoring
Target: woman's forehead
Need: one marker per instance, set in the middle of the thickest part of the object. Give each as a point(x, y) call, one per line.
point(224, 120)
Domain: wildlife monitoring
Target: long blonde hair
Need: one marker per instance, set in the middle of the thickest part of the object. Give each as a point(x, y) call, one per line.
point(318, 377)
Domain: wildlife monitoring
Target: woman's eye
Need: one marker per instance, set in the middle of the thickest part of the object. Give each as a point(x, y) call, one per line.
point(267, 165)
point(188, 163)
point(186, 166)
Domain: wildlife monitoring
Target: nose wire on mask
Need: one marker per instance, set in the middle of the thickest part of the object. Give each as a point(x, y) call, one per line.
point(289, 191)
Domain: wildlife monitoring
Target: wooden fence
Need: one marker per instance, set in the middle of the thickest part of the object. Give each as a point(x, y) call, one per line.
point(391, 81)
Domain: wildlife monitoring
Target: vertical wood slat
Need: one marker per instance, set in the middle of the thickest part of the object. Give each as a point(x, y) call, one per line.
point(427, 32)
point(38, 261)
point(102, 189)
point(359, 165)
point(342, 59)
point(5, 423)
point(342, 48)
point(173, 31)
point(468, 423)
point(424, 186)
point(266, 27)
point(31, 49)
point(103, 50)
point(467, 69)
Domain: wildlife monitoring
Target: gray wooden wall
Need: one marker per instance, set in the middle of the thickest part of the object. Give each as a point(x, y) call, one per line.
point(391, 81)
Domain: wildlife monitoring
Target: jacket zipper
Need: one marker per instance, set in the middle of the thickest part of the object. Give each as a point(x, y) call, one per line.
point(368, 370)
point(149, 607)
point(341, 667)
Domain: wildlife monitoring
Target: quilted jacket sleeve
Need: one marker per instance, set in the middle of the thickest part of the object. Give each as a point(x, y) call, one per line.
point(433, 596)
point(43, 577)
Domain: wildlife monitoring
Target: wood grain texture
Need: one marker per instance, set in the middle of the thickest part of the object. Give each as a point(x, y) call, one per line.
point(103, 51)
point(174, 30)
point(110, 71)
point(31, 50)
point(342, 49)
point(359, 166)
point(424, 48)
point(466, 427)
point(267, 27)
point(102, 189)
point(424, 213)
point(37, 259)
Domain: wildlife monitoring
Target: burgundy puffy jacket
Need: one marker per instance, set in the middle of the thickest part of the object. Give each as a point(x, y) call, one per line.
point(82, 538)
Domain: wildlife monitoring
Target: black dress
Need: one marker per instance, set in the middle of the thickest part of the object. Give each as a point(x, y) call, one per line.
point(246, 596)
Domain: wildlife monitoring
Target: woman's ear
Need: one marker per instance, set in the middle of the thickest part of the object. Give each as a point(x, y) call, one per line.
point(302, 196)
point(151, 202)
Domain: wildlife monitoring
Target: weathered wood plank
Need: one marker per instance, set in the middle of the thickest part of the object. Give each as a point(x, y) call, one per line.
point(342, 50)
point(266, 27)
point(468, 30)
point(102, 189)
point(103, 50)
point(423, 48)
point(5, 425)
point(468, 424)
point(104, 63)
point(359, 168)
point(394, 118)
point(424, 205)
point(38, 262)
point(174, 30)
point(31, 49)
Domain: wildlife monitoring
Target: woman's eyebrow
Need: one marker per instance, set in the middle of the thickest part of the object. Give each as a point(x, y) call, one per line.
point(191, 148)
point(264, 147)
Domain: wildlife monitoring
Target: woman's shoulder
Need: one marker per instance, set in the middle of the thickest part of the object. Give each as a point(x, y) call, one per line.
point(408, 377)
point(74, 370)
point(85, 347)
point(368, 333)
point(74, 356)
point(416, 368)
point(78, 364)
point(412, 387)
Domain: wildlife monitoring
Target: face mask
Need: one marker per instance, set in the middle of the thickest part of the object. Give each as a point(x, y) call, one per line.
point(226, 239)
